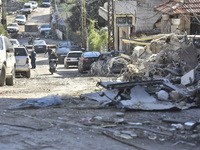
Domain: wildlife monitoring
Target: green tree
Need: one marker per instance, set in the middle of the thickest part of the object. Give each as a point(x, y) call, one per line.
point(3, 31)
point(97, 37)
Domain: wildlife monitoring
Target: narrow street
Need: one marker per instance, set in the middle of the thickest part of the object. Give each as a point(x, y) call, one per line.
point(80, 124)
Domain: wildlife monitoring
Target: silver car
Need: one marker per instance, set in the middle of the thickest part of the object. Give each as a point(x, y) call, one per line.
point(22, 61)
point(20, 19)
point(15, 42)
point(72, 58)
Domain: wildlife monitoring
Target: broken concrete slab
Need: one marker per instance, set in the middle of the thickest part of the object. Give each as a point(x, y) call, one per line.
point(188, 78)
point(101, 97)
point(141, 100)
point(139, 95)
point(129, 105)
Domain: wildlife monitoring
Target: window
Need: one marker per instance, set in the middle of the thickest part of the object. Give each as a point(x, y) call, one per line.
point(20, 52)
point(74, 55)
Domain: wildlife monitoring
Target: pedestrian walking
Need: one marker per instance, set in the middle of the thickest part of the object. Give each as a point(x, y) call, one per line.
point(33, 59)
point(26, 16)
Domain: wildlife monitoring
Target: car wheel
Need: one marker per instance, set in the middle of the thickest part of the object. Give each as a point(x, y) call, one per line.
point(80, 69)
point(66, 65)
point(11, 81)
point(3, 76)
point(28, 74)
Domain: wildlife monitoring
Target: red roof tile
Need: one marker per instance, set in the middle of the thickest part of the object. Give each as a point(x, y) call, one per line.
point(180, 7)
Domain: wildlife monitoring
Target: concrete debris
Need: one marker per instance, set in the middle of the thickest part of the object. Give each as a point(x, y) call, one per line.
point(110, 63)
point(163, 95)
point(120, 114)
point(175, 95)
point(188, 78)
point(164, 75)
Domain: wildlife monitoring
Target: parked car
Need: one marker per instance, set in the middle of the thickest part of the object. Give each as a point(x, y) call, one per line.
point(40, 46)
point(62, 53)
point(34, 4)
point(20, 19)
point(7, 62)
point(13, 28)
point(15, 42)
point(45, 28)
point(22, 61)
point(64, 44)
point(27, 8)
point(75, 48)
point(86, 60)
point(46, 3)
point(72, 58)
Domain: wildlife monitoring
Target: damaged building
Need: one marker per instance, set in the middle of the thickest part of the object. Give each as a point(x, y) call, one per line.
point(165, 70)
point(131, 17)
point(179, 16)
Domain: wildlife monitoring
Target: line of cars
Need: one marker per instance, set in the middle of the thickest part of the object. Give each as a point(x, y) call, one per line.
point(73, 55)
point(13, 59)
point(95, 61)
point(21, 19)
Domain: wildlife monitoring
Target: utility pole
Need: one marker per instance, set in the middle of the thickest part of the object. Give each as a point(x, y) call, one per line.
point(3, 19)
point(84, 29)
point(111, 37)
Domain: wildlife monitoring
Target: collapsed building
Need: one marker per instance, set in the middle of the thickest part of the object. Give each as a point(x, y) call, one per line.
point(165, 70)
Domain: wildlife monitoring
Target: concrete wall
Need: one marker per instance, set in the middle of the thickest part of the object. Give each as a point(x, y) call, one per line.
point(145, 15)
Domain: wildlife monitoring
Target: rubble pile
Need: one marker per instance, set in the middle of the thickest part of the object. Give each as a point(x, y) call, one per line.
point(109, 63)
point(164, 75)
point(167, 57)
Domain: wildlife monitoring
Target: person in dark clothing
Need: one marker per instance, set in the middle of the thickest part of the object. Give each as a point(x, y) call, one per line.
point(33, 59)
point(26, 16)
point(48, 51)
point(53, 56)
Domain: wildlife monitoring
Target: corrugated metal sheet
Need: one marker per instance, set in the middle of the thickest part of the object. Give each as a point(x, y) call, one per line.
point(180, 7)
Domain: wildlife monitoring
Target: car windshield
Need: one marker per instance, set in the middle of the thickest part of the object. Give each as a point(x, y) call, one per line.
point(74, 55)
point(91, 54)
point(64, 44)
point(63, 50)
point(20, 52)
point(13, 41)
point(39, 42)
point(75, 48)
point(45, 0)
point(45, 26)
point(27, 6)
point(20, 17)
point(12, 25)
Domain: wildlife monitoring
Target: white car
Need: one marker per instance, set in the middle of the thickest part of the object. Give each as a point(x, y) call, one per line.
point(23, 65)
point(34, 4)
point(27, 8)
point(7, 62)
point(45, 28)
point(20, 19)
point(15, 42)
point(13, 28)
point(46, 3)
point(72, 58)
